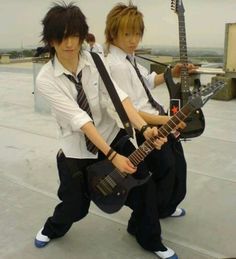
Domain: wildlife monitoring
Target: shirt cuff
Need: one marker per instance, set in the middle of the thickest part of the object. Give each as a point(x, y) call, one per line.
point(79, 121)
point(151, 79)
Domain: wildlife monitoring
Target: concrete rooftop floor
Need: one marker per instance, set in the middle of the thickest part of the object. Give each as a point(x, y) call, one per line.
point(29, 181)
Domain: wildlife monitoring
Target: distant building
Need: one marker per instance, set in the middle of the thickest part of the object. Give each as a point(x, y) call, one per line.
point(4, 58)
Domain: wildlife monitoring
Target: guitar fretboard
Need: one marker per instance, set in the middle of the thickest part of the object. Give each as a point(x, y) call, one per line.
point(183, 53)
point(139, 154)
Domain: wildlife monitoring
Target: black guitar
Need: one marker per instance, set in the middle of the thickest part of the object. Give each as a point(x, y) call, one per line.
point(109, 187)
point(180, 92)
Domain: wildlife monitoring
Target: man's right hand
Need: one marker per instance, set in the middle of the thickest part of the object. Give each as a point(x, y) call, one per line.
point(124, 164)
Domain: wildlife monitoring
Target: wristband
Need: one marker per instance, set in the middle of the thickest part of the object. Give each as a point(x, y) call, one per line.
point(111, 150)
point(144, 127)
point(113, 156)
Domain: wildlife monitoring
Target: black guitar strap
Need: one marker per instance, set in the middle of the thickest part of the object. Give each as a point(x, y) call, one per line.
point(112, 92)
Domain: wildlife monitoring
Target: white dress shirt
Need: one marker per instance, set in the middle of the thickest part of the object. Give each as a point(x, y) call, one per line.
point(126, 77)
point(61, 94)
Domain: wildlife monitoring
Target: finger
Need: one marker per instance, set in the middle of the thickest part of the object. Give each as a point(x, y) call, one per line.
point(155, 131)
point(183, 125)
point(130, 164)
point(131, 169)
point(158, 143)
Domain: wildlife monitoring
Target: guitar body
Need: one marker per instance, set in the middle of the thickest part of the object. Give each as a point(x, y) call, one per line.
point(109, 188)
point(196, 121)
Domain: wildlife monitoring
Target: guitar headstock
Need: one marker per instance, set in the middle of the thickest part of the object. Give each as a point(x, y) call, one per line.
point(199, 98)
point(177, 6)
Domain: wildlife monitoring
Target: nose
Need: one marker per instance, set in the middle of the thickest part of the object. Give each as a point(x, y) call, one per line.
point(68, 41)
point(133, 38)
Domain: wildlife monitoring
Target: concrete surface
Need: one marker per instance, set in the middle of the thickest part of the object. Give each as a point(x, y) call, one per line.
point(29, 181)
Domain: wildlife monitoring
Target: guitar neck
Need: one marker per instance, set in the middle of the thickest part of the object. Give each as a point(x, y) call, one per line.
point(139, 154)
point(183, 54)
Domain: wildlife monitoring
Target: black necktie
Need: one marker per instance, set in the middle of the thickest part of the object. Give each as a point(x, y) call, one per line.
point(153, 102)
point(84, 105)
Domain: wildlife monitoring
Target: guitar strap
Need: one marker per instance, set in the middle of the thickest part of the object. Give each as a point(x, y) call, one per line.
point(112, 92)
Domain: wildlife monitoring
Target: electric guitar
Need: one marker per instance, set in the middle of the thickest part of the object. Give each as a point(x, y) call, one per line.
point(108, 187)
point(180, 92)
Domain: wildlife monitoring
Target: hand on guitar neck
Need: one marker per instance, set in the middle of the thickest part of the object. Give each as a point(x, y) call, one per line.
point(159, 120)
point(176, 70)
point(123, 164)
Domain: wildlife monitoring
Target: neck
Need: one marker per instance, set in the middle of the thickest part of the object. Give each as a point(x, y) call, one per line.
point(70, 64)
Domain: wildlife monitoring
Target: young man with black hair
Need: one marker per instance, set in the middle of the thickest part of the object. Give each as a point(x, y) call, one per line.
point(78, 98)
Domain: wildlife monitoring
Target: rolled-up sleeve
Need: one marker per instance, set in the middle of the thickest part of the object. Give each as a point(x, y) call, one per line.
point(63, 105)
point(148, 78)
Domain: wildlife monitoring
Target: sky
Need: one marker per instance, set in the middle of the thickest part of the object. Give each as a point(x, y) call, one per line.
point(20, 21)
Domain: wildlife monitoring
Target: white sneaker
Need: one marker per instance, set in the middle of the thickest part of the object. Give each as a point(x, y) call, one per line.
point(179, 212)
point(41, 240)
point(168, 254)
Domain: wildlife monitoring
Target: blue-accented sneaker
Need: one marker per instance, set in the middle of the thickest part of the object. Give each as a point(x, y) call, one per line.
point(41, 240)
point(179, 212)
point(168, 254)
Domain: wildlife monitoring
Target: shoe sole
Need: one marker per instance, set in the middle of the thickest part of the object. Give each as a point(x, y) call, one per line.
point(40, 244)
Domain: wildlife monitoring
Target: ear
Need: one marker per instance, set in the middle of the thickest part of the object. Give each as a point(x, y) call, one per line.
point(51, 44)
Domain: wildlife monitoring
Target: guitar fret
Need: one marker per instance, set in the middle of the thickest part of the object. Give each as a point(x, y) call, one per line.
point(134, 159)
point(150, 144)
point(139, 156)
point(161, 133)
point(142, 152)
point(167, 125)
point(172, 121)
point(183, 115)
point(174, 125)
point(164, 128)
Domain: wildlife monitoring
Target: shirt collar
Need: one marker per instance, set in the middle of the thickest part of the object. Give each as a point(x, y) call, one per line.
point(60, 70)
point(120, 52)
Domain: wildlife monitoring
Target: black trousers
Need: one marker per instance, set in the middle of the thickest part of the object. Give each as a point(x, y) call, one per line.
point(75, 201)
point(169, 168)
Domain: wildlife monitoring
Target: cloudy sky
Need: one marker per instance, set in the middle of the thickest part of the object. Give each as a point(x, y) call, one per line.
point(20, 21)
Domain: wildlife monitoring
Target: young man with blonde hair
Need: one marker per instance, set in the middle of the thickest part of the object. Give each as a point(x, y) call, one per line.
point(124, 31)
